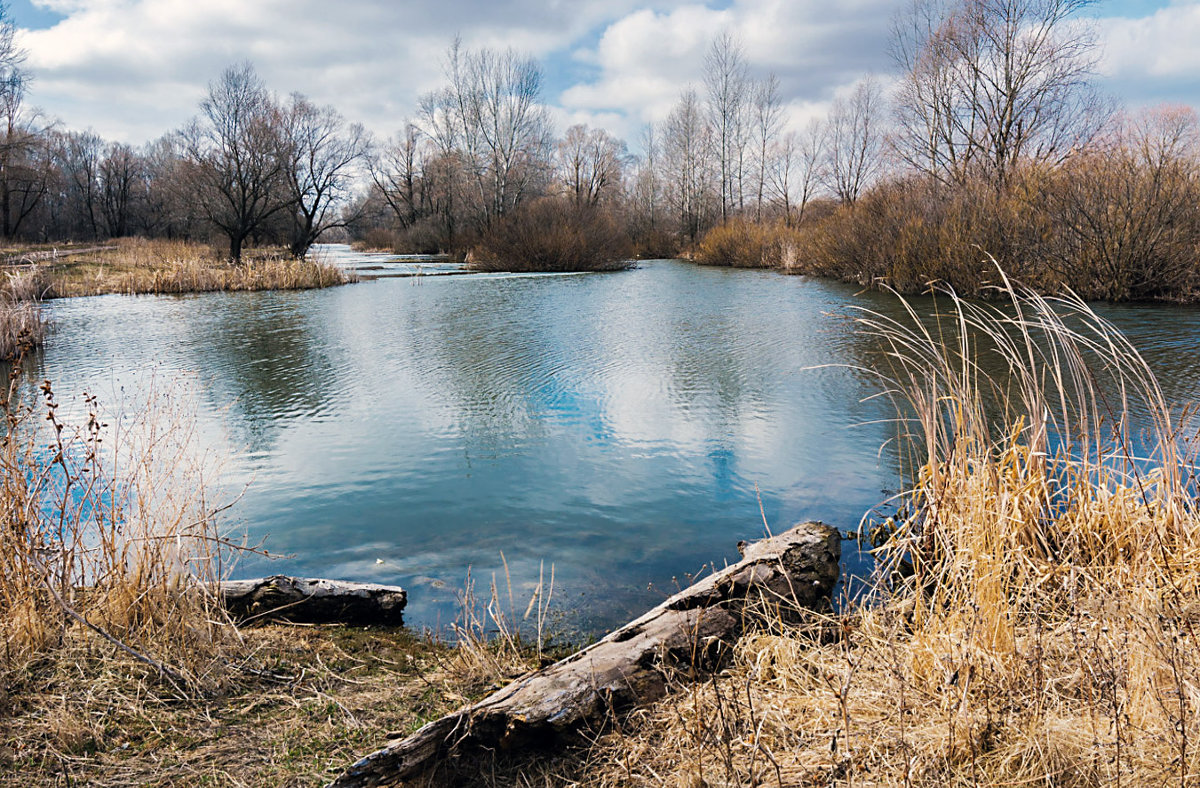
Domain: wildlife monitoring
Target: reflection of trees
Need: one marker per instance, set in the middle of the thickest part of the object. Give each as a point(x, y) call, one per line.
point(267, 354)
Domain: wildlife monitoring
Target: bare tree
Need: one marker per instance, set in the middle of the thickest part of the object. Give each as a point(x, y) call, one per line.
point(238, 156)
point(25, 157)
point(590, 164)
point(727, 84)
point(991, 83)
point(854, 141)
point(80, 156)
point(323, 155)
point(119, 173)
point(444, 174)
point(768, 121)
point(504, 129)
point(647, 188)
point(686, 142)
point(796, 171)
point(397, 172)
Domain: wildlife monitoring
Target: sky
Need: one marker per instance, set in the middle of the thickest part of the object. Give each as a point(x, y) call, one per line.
point(133, 70)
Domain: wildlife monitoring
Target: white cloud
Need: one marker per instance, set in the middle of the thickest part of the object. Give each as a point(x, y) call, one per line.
point(646, 58)
point(1160, 49)
point(134, 69)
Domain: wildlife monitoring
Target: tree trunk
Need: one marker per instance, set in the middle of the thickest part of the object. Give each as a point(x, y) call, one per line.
point(688, 635)
point(313, 601)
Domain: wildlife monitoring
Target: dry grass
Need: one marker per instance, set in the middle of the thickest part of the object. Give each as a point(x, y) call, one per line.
point(22, 325)
point(108, 529)
point(116, 665)
point(136, 265)
point(298, 706)
point(1033, 622)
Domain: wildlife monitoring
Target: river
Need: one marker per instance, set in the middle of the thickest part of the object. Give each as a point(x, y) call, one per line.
point(622, 428)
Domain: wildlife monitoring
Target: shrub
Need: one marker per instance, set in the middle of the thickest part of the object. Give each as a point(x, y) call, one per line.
point(745, 244)
point(554, 234)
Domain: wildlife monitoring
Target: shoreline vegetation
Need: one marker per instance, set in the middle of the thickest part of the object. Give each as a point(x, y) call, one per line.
point(137, 266)
point(1031, 619)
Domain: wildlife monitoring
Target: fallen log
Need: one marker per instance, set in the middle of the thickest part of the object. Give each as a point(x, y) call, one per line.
point(690, 633)
point(307, 600)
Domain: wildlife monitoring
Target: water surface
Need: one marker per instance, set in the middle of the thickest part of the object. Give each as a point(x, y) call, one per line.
point(622, 427)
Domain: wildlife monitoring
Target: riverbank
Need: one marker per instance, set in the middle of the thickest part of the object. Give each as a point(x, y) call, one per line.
point(139, 266)
point(294, 706)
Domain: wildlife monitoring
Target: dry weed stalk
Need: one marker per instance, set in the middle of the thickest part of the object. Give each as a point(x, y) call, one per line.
point(491, 648)
point(1033, 620)
point(107, 532)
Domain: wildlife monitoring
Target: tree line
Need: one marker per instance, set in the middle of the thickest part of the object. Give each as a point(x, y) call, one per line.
point(989, 137)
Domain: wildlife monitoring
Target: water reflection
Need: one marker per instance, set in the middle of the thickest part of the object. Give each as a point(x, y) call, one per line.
point(615, 425)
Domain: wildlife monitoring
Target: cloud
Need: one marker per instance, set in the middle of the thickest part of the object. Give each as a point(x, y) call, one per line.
point(134, 69)
point(646, 58)
point(1153, 58)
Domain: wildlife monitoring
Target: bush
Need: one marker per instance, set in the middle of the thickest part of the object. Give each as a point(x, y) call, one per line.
point(745, 244)
point(655, 244)
point(553, 234)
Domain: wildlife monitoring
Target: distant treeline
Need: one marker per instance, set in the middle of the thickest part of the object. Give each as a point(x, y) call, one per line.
point(990, 139)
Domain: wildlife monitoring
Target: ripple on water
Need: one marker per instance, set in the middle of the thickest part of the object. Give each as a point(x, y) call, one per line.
point(613, 425)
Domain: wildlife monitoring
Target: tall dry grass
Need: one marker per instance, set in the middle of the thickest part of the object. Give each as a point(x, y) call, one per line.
point(109, 544)
point(142, 266)
point(1033, 618)
point(495, 644)
point(22, 324)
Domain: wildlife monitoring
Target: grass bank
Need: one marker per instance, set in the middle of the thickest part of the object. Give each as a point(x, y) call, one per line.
point(136, 265)
point(1034, 611)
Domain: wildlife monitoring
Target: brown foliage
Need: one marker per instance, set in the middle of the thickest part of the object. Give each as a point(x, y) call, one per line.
point(554, 234)
point(742, 243)
point(1116, 221)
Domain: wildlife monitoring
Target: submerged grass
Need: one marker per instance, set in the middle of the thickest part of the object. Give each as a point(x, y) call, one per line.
point(1033, 620)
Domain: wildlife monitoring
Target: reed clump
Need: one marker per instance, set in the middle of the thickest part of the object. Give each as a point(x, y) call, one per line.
point(1033, 617)
point(142, 266)
point(22, 324)
point(742, 243)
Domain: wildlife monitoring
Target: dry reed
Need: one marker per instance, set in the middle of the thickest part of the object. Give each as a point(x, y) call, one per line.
point(22, 324)
point(495, 644)
point(107, 537)
point(140, 266)
point(1034, 612)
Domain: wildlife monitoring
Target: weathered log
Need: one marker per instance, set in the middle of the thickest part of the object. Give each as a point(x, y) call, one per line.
point(689, 633)
point(309, 600)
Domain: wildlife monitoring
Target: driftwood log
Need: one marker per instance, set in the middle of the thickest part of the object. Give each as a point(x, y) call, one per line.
point(689, 633)
point(309, 600)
